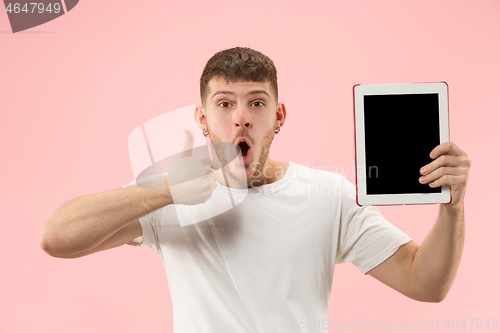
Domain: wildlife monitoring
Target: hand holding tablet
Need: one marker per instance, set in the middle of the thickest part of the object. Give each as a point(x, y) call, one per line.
point(451, 166)
point(397, 126)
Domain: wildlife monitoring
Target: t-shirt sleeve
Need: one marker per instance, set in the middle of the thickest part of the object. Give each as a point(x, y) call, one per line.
point(150, 229)
point(366, 238)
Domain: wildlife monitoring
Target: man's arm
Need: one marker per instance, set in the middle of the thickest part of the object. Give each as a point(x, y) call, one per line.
point(87, 222)
point(426, 273)
point(123, 236)
point(105, 220)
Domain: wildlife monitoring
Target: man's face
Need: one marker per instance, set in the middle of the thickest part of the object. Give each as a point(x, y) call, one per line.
point(242, 111)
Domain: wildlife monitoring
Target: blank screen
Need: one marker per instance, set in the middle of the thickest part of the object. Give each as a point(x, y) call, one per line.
point(400, 133)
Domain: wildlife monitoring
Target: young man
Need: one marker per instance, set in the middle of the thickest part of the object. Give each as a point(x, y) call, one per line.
point(267, 264)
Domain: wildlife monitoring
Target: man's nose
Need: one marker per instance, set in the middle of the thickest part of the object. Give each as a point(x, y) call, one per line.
point(242, 118)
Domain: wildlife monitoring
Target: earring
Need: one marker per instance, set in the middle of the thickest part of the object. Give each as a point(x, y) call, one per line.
point(205, 134)
point(279, 128)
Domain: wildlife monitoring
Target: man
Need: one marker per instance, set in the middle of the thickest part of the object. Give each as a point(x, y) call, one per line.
point(267, 264)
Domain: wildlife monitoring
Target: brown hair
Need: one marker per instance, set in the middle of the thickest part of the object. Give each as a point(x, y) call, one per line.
point(239, 64)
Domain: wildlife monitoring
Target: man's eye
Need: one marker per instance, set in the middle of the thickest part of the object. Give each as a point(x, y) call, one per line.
point(224, 104)
point(261, 103)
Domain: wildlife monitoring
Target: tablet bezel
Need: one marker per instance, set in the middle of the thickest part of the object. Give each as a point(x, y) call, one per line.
point(359, 91)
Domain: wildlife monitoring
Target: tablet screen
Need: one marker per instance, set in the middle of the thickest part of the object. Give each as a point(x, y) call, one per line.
point(400, 132)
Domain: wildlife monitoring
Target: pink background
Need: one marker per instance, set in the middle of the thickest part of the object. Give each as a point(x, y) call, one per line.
point(73, 89)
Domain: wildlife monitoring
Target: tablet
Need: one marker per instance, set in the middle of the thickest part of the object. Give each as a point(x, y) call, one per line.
point(396, 128)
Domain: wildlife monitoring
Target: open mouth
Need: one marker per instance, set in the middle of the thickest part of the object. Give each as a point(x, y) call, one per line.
point(245, 151)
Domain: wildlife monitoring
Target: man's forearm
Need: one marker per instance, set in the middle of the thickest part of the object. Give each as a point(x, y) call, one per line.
point(84, 223)
point(436, 261)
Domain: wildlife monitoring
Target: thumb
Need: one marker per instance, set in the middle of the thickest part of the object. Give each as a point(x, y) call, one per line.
point(187, 146)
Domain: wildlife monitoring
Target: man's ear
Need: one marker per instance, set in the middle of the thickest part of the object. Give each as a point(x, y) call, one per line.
point(199, 117)
point(281, 114)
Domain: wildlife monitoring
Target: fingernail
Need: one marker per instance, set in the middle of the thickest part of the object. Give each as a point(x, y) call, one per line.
point(423, 171)
point(422, 179)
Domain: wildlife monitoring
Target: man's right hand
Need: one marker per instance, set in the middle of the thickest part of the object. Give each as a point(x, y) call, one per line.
point(193, 179)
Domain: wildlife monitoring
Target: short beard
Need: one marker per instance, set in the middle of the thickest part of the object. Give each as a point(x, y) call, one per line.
point(256, 167)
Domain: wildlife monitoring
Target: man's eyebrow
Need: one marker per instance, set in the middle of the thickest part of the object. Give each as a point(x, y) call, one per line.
point(255, 92)
point(227, 92)
point(224, 92)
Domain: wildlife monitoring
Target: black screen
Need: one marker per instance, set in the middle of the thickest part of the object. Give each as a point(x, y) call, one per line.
point(400, 133)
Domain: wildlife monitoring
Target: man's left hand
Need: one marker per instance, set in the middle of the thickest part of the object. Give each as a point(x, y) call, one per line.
point(450, 167)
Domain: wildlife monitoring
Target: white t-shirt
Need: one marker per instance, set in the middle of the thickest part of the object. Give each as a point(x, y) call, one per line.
point(267, 264)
